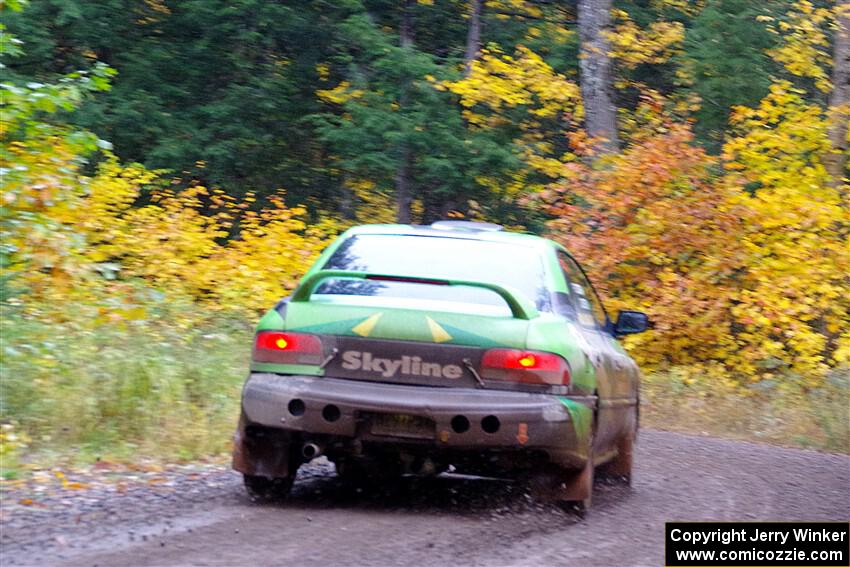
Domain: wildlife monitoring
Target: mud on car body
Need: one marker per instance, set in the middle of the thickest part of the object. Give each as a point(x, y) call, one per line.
point(407, 349)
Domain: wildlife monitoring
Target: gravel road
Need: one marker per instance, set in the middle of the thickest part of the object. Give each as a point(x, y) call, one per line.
point(200, 515)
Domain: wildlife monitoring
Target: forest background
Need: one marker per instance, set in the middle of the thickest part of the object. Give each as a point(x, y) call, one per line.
point(170, 168)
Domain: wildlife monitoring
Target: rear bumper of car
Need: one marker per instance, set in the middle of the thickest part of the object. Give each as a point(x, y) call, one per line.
point(456, 418)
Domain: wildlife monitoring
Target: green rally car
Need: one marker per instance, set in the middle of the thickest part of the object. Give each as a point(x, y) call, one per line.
point(410, 349)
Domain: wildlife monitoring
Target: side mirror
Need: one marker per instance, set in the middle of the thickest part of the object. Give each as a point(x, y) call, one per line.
point(631, 322)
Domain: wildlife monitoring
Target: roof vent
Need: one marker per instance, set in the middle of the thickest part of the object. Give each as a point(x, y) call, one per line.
point(467, 226)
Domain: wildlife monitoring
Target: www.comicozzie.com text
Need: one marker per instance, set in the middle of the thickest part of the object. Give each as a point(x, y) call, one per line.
point(727, 536)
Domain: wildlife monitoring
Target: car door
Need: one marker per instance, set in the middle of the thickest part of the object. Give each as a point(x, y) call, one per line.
point(614, 378)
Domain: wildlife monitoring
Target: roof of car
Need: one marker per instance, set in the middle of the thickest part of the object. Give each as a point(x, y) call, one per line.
point(454, 229)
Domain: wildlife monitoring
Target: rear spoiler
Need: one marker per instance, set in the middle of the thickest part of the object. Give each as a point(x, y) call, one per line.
point(520, 307)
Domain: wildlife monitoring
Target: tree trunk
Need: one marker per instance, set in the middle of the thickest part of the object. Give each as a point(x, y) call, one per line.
point(594, 17)
point(473, 35)
point(347, 207)
point(404, 193)
point(839, 99)
point(406, 28)
point(403, 190)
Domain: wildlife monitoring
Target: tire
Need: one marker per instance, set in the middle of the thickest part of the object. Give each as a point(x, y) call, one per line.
point(265, 489)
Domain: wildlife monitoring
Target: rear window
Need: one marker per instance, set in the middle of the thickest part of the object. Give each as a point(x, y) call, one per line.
point(515, 266)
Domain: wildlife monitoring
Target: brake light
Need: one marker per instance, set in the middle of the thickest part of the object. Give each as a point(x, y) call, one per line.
point(529, 367)
point(287, 348)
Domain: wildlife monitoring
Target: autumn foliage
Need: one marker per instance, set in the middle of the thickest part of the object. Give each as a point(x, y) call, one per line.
point(741, 261)
point(110, 240)
point(127, 297)
point(718, 218)
point(124, 225)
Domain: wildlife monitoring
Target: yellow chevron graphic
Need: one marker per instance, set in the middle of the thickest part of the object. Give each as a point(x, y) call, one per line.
point(438, 333)
point(365, 327)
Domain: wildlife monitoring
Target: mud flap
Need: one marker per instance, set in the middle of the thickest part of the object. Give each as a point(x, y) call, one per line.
point(557, 485)
point(569, 488)
point(263, 452)
point(577, 487)
point(620, 467)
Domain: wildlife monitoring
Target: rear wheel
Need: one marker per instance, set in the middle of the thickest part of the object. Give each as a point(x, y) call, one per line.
point(265, 489)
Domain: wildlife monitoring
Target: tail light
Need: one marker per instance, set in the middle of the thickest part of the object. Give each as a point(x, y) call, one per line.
point(287, 348)
point(526, 366)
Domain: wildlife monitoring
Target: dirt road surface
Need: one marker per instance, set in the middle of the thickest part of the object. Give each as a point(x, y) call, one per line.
point(205, 518)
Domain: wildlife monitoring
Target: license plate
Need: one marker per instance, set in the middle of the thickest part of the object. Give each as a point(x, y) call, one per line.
point(401, 425)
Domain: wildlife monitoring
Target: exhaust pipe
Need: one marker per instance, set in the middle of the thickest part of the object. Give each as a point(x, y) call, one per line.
point(311, 451)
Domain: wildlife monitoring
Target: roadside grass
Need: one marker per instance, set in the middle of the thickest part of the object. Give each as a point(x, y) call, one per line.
point(118, 392)
point(789, 412)
point(72, 394)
